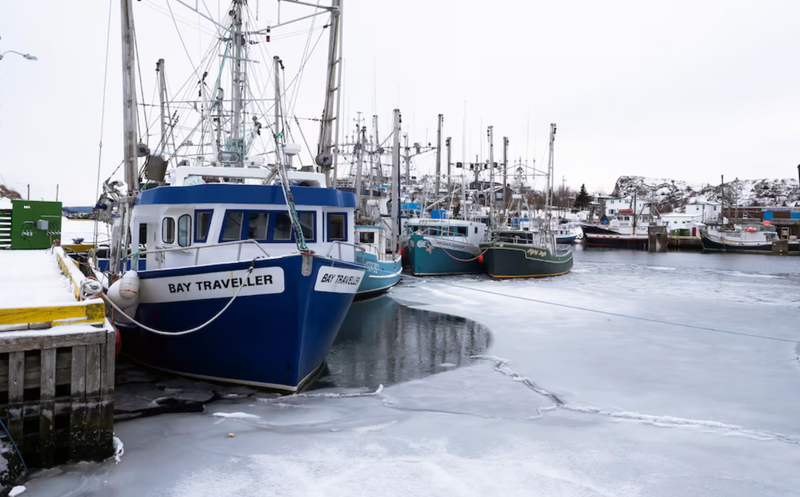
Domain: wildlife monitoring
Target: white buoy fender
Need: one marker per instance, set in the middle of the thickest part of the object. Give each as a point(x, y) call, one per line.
point(125, 293)
point(129, 285)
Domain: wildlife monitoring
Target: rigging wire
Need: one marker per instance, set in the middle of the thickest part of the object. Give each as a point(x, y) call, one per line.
point(103, 118)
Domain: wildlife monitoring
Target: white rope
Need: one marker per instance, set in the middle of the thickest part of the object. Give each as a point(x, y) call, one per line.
point(90, 289)
point(185, 332)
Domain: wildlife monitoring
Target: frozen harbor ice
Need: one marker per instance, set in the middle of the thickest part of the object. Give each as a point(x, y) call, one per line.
point(564, 401)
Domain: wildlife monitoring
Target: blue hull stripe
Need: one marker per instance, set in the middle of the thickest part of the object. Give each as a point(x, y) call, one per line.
point(222, 193)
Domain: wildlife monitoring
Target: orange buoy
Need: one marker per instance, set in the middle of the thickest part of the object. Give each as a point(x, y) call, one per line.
point(480, 259)
point(767, 223)
point(402, 252)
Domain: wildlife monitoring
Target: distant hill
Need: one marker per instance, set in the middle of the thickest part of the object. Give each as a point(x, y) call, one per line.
point(672, 195)
point(79, 212)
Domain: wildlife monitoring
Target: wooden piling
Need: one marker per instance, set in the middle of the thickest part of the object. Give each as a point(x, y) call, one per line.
point(57, 372)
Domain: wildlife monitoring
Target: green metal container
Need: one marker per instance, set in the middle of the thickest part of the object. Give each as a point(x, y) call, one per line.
point(35, 224)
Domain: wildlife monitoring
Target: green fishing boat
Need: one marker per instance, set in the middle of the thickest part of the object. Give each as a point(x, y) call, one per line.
point(523, 254)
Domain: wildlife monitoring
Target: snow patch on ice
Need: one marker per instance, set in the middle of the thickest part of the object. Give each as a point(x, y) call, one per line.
point(119, 450)
point(235, 415)
point(661, 268)
point(16, 490)
point(371, 428)
point(447, 365)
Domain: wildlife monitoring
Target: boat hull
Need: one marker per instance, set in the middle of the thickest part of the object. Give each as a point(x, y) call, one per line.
point(429, 256)
point(524, 261)
point(380, 276)
point(601, 237)
point(565, 239)
point(274, 335)
point(711, 245)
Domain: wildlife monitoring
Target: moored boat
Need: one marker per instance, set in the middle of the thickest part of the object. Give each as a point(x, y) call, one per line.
point(746, 238)
point(383, 268)
point(444, 246)
point(515, 254)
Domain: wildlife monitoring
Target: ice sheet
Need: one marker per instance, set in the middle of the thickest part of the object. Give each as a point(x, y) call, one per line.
point(565, 403)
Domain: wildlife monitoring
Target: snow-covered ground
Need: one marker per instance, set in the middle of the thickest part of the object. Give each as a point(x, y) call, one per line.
point(567, 402)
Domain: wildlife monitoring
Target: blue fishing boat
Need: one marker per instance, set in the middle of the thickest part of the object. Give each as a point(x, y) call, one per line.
point(247, 264)
point(444, 246)
point(224, 260)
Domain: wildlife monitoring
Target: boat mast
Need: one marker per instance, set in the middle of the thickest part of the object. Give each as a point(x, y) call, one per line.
point(396, 180)
point(449, 163)
point(325, 156)
point(239, 81)
point(490, 135)
point(505, 171)
point(130, 154)
point(360, 145)
point(438, 154)
point(549, 193)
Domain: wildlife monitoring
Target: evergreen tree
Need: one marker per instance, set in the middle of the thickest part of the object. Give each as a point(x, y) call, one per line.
point(583, 199)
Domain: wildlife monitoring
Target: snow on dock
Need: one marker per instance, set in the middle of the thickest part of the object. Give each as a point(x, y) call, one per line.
point(56, 364)
point(32, 278)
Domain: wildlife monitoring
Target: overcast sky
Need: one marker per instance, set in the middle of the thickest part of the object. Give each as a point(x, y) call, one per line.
point(682, 89)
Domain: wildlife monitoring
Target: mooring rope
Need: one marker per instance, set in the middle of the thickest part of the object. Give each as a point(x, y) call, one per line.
point(185, 332)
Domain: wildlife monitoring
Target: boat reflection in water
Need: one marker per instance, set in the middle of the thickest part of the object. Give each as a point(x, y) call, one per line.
point(384, 342)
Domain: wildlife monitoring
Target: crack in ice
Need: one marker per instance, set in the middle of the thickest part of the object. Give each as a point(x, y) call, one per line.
point(501, 366)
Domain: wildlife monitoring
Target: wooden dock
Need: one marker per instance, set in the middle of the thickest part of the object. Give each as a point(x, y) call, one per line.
point(56, 365)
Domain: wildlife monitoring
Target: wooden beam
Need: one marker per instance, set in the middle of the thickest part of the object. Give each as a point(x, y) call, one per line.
point(91, 311)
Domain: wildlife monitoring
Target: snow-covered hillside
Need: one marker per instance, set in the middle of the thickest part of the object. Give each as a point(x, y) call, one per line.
point(674, 194)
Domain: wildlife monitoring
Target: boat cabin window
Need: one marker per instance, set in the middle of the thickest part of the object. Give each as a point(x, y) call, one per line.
point(283, 227)
point(202, 222)
point(462, 230)
point(266, 226)
point(168, 230)
point(307, 224)
point(258, 226)
point(366, 237)
point(232, 226)
point(143, 234)
point(337, 227)
point(184, 229)
point(476, 230)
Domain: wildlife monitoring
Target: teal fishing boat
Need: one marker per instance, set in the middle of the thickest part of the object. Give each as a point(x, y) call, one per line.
point(444, 246)
point(383, 268)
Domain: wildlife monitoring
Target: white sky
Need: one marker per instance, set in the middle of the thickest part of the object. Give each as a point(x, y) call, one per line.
point(683, 89)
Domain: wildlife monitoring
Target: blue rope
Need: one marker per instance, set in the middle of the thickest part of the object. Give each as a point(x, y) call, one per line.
point(15, 446)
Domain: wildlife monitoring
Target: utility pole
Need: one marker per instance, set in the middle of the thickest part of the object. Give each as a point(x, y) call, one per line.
point(438, 154)
point(505, 171)
point(396, 181)
point(29, 191)
point(490, 135)
point(56, 192)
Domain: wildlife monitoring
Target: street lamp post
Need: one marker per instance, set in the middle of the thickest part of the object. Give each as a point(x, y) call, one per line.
point(24, 55)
